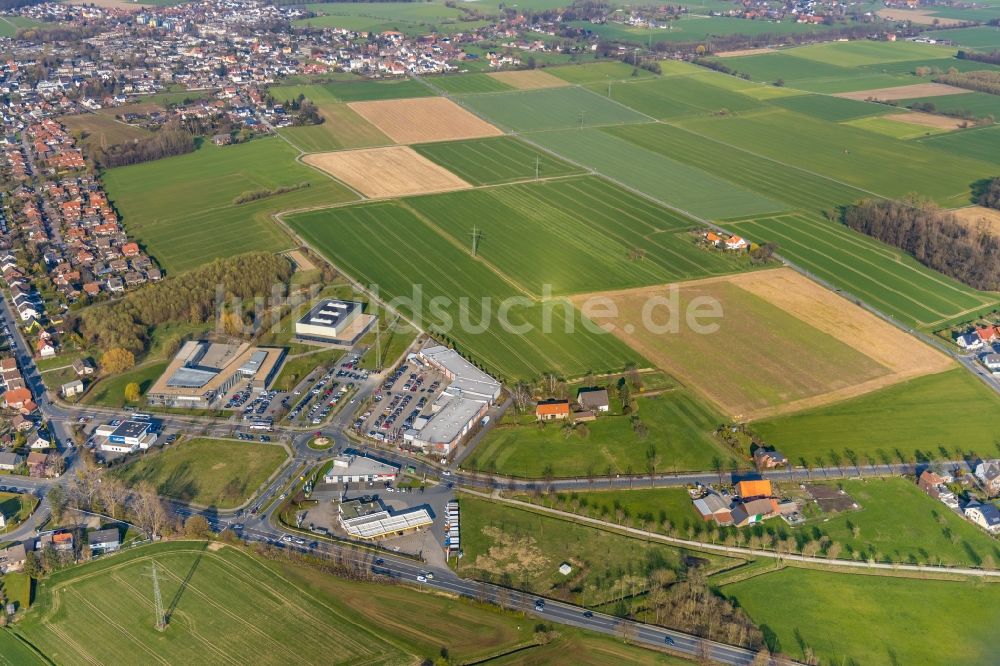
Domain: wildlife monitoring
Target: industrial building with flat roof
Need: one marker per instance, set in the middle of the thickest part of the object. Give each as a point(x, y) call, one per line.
point(202, 372)
point(127, 436)
point(463, 402)
point(358, 469)
point(369, 519)
point(334, 322)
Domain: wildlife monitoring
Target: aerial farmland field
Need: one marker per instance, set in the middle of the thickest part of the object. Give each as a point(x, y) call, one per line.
point(495, 160)
point(777, 342)
point(827, 107)
point(596, 72)
point(979, 37)
point(979, 104)
point(980, 143)
point(411, 18)
point(656, 174)
point(677, 96)
point(341, 128)
point(387, 246)
point(884, 277)
point(181, 208)
point(358, 90)
point(468, 83)
point(552, 108)
point(102, 129)
point(592, 226)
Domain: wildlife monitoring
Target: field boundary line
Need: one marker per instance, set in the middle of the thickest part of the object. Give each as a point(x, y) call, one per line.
point(127, 633)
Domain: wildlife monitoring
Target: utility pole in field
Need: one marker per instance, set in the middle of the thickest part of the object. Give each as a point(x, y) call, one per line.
point(477, 236)
point(161, 621)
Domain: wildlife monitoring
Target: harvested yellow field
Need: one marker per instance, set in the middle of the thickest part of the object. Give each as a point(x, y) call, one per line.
point(529, 79)
point(781, 344)
point(393, 171)
point(927, 120)
point(917, 16)
point(423, 120)
point(979, 217)
point(744, 52)
point(904, 92)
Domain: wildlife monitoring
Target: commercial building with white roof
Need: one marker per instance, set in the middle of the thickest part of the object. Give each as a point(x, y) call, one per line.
point(335, 322)
point(359, 469)
point(369, 519)
point(202, 372)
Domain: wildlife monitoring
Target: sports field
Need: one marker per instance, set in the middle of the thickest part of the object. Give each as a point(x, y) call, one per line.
point(591, 226)
point(952, 410)
point(495, 160)
point(777, 342)
point(679, 425)
point(181, 208)
point(387, 245)
point(552, 108)
point(848, 618)
point(341, 128)
point(423, 120)
point(885, 278)
point(656, 174)
point(207, 472)
point(391, 171)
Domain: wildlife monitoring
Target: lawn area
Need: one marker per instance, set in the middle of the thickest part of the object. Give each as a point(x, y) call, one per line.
point(206, 472)
point(881, 165)
point(952, 411)
point(884, 277)
point(657, 174)
point(181, 208)
point(596, 224)
point(849, 618)
point(16, 507)
point(778, 181)
point(524, 549)
point(495, 160)
point(110, 391)
point(387, 245)
point(101, 129)
point(16, 587)
point(341, 128)
point(463, 84)
point(550, 108)
point(679, 428)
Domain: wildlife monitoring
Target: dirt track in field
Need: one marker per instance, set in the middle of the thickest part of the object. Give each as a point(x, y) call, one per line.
point(392, 171)
point(423, 119)
point(529, 79)
point(781, 369)
point(926, 120)
point(904, 92)
point(976, 217)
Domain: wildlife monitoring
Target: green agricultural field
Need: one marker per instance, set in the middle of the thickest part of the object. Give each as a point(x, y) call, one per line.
point(595, 72)
point(596, 223)
point(895, 128)
point(978, 104)
point(770, 67)
point(697, 29)
point(464, 84)
point(341, 128)
point(206, 472)
point(226, 602)
point(524, 549)
point(865, 52)
point(798, 188)
point(9, 25)
point(980, 37)
point(110, 391)
point(845, 618)
point(878, 164)
point(827, 107)
point(552, 108)
point(387, 245)
point(656, 174)
point(356, 89)
point(677, 96)
point(679, 426)
point(884, 277)
point(934, 417)
point(980, 143)
point(416, 18)
point(15, 652)
point(501, 159)
point(181, 208)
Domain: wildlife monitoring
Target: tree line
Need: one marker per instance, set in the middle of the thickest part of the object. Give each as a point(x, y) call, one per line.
point(991, 58)
point(934, 237)
point(982, 81)
point(125, 324)
point(988, 193)
point(168, 141)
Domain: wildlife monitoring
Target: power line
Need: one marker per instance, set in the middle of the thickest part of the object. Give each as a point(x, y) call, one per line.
point(161, 620)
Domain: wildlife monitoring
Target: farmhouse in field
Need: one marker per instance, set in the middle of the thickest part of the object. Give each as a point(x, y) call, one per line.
point(203, 372)
point(752, 504)
point(593, 399)
point(732, 243)
point(768, 458)
point(713, 506)
point(104, 541)
point(552, 410)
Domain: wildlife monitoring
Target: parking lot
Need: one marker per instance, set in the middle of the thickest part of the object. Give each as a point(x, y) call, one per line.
point(317, 397)
point(397, 405)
